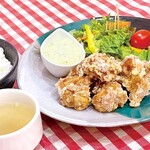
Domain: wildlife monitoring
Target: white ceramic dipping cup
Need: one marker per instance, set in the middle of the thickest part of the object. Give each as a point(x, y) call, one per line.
point(28, 137)
point(60, 52)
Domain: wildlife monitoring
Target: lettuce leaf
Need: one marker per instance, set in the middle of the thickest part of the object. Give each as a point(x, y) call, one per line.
point(115, 42)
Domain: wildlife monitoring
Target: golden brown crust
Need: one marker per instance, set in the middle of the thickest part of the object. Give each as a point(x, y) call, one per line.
point(98, 65)
point(109, 97)
point(100, 80)
point(136, 79)
point(74, 92)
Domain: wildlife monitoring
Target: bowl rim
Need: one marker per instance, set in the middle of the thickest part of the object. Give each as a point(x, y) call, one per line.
point(72, 38)
point(33, 119)
point(16, 62)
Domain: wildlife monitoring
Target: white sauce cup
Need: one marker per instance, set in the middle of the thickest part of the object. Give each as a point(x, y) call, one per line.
point(60, 52)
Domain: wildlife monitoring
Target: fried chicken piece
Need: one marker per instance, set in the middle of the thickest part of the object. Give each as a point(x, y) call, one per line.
point(135, 78)
point(74, 71)
point(98, 65)
point(74, 92)
point(109, 97)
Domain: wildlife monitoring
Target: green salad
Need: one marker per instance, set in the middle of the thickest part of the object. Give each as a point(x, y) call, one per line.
point(106, 36)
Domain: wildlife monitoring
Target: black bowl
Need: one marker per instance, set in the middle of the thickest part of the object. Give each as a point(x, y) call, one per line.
point(12, 55)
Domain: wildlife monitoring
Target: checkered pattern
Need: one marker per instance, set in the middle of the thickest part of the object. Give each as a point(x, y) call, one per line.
point(22, 22)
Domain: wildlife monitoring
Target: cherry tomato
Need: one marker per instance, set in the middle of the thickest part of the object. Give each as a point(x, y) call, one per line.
point(140, 39)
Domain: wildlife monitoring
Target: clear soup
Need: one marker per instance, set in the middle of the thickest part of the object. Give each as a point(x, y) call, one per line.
point(14, 116)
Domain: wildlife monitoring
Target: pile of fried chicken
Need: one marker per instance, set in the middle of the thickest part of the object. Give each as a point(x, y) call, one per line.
point(105, 82)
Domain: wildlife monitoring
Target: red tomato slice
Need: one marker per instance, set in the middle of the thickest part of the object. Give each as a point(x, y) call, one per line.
point(141, 39)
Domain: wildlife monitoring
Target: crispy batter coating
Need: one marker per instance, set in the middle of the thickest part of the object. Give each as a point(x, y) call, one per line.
point(104, 82)
point(99, 65)
point(109, 97)
point(74, 92)
point(136, 79)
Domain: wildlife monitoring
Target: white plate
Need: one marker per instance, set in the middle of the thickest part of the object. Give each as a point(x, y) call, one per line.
point(35, 79)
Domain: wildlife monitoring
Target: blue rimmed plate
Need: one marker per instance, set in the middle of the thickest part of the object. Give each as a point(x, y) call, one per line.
point(34, 78)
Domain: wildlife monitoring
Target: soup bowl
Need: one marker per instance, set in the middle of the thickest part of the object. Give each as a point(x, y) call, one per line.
point(20, 125)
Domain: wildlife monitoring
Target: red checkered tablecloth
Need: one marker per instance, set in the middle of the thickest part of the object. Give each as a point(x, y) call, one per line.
point(23, 21)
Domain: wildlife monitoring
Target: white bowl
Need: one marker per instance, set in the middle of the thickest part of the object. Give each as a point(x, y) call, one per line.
point(27, 137)
point(60, 52)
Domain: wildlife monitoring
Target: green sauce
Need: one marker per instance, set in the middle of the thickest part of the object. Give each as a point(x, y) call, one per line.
point(62, 52)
